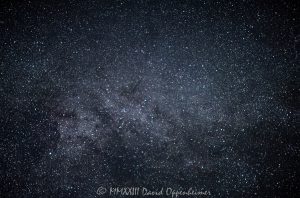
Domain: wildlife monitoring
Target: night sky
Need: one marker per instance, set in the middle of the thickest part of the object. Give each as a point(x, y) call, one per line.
point(154, 94)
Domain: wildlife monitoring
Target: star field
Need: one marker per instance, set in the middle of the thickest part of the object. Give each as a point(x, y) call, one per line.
point(154, 94)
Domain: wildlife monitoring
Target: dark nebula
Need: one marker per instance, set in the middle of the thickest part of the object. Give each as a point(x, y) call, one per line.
point(155, 94)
